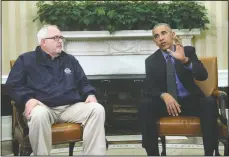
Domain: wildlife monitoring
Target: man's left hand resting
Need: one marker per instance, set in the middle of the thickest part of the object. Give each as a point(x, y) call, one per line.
point(91, 98)
point(30, 104)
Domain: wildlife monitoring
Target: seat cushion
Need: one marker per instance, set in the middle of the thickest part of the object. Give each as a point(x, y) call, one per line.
point(66, 132)
point(179, 126)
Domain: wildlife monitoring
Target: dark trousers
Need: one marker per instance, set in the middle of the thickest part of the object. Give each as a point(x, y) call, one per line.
point(151, 109)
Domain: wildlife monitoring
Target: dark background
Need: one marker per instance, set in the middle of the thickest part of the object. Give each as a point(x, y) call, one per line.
point(6, 108)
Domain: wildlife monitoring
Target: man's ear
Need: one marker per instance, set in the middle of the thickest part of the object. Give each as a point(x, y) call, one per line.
point(43, 42)
point(174, 37)
point(173, 34)
point(154, 40)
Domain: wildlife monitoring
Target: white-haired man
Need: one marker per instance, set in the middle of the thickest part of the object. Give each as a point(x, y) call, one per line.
point(51, 87)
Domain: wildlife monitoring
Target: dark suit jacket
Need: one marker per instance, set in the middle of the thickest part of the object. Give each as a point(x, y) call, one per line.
point(155, 66)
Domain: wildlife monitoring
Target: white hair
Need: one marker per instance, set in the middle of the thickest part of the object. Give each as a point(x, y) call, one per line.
point(42, 33)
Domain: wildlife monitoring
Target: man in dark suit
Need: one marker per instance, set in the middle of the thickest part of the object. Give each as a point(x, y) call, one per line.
point(189, 101)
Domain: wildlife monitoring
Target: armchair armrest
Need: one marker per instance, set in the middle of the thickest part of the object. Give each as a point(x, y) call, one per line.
point(222, 101)
point(18, 119)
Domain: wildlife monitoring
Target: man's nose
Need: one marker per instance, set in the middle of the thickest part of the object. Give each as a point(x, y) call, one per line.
point(161, 38)
point(60, 40)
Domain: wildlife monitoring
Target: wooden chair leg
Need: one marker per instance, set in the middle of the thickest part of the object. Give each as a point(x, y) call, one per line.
point(225, 149)
point(225, 143)
point(163, 142)
point(217, 149)
point(25, 151)
point(15, 147)
point(71, 148)
point(107, 143)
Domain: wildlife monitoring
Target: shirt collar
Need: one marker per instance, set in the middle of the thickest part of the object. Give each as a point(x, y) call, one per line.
point(41, 56)
point(165, 54)
point(46, 55)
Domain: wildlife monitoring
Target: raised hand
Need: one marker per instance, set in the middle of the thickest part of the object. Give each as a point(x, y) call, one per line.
point(179, 53)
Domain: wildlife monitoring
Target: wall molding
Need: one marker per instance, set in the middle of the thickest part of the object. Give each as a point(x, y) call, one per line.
point(122, 33)
point(6, 128)
point(222, 78)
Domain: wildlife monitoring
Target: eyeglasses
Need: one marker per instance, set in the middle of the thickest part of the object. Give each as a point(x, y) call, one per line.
point(56, 38)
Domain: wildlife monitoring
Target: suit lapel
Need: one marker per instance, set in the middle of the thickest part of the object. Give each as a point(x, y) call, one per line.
point(160, 65)
point(177, 66)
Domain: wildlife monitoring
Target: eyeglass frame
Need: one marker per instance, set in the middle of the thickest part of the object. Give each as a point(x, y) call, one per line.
point(56, 38)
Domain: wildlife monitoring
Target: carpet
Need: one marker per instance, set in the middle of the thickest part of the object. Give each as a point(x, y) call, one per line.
point(136, 149)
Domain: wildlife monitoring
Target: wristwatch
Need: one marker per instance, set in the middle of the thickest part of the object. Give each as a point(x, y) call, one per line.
point(188, 62)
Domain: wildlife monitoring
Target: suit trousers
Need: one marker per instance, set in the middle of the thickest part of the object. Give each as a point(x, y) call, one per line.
point(91, 115)
point(151, 109)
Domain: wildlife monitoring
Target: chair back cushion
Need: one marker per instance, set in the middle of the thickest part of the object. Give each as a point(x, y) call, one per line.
point(12, 63)
point(209, 85)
